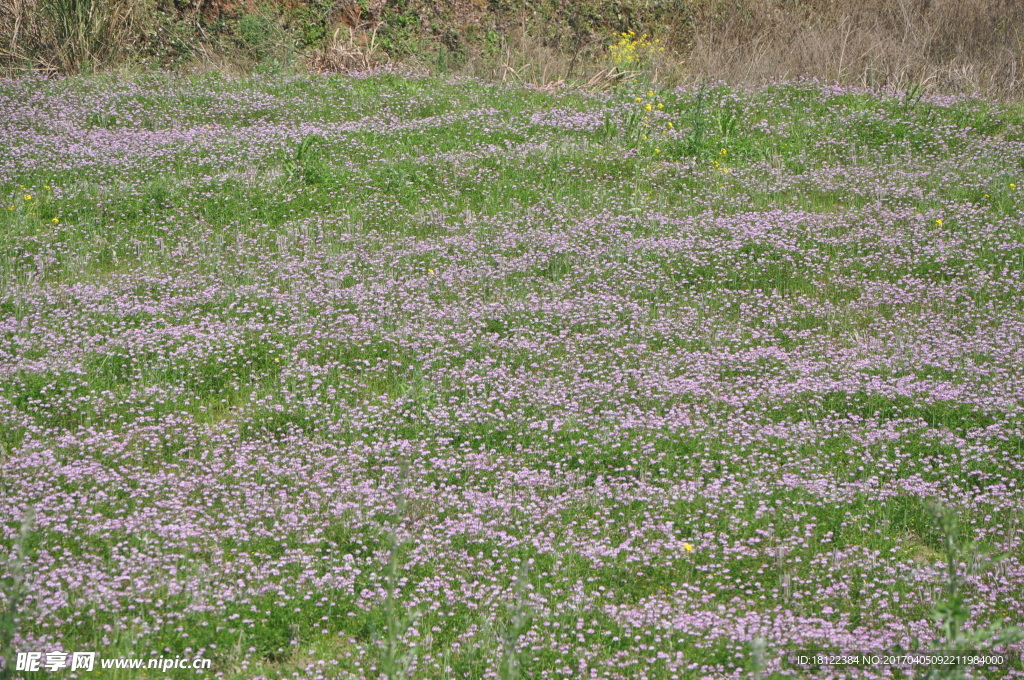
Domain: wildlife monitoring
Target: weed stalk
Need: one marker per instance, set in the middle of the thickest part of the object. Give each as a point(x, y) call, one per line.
point(517, 623)
point(398, 658)
point(953, 612)
point(14, 594)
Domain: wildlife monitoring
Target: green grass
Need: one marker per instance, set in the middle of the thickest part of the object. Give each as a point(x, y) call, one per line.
point(353, 340)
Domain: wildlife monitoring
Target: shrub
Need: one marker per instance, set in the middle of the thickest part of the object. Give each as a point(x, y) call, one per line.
point(256, 34)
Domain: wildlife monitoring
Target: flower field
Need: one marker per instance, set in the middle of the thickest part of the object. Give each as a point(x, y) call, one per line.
point(409, 377)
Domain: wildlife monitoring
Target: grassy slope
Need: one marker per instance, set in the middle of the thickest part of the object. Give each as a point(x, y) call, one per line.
point(241, 319)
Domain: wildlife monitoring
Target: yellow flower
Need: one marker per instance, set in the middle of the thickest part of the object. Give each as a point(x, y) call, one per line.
point(724, 152)
point(47, 186)
point(657, 151)
point(1012, 185)
point(650, 93)
point(55, 220)
point(430, 271)
point(986, 195)
point(938, 223)
point(671, 125)
point(639, 99)
point(277, 360)
point(645, 136)
point(660, 105)
point(688, 547)
point(648, 107)
point(28, 197)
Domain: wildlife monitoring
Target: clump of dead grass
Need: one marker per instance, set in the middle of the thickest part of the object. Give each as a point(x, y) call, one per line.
point(347, 53)
point(353, 46)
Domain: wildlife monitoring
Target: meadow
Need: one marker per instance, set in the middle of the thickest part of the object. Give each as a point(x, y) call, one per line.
point(409, 376)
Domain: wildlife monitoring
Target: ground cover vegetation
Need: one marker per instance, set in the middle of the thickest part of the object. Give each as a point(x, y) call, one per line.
point(955, 45)
point(411, 376)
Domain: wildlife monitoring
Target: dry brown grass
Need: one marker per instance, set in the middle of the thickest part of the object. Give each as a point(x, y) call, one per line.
point(953, 45)
point(525, 60)
point(946, 45)
point(68, 36)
